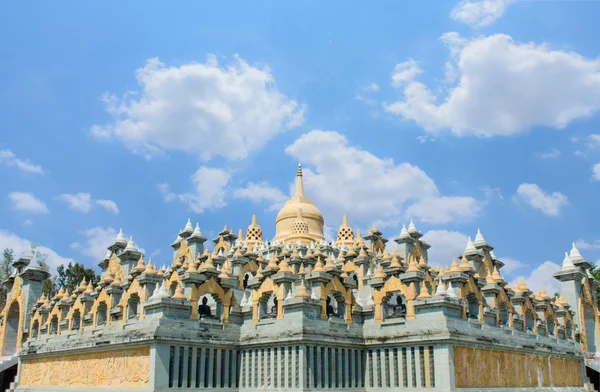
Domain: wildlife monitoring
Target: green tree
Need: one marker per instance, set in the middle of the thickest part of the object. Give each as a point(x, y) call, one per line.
point(73, 274)
point(8, 257)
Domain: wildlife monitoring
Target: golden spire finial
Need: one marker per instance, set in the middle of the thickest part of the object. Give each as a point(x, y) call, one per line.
point(240, 235)
point(299, 183)
point(302, 293)
point(345, 220)
point(253, 220)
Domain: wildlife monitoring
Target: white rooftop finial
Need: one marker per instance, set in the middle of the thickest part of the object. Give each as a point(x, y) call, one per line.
point(412, 228)
point(108, 254)
point(470, 246)
point(197, 232)
point(450, 292)
point(575, 255)
point(479, 240)
point(567, 262)
point(403, 232)
point(131, 245)
point(121, 237)
point(188, 225)
point(440, 291)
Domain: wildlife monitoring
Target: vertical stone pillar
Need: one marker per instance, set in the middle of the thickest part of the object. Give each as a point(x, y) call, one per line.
point(443, 360)
point(159, 366)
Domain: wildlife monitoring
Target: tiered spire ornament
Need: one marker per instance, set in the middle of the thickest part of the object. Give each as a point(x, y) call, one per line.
point(575, 255)
point(302, 293)
point(454, 267)
point(424, 291)
point(284, 267)
point(149, 270)
point(319, 266)
point(413, 266)
point(479, 240)
point(440, 290)
point(140, 267)
point(379, 274)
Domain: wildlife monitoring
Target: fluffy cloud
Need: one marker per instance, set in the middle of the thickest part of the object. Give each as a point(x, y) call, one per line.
point(479, 13)
point(445, 245)
point(582, 244)
point(502, 88)
point(444, 209)
point(596, 172)
point(210, 188)
point(97, 239)
point(511, 266)
point(23, 246)
point(83, 202)
point(551, 154)
point(8, 158)
point(541, 277)
point(261, 192)
point(349, 180)
point(23, 201)
point(549, 204)
point(208, 109)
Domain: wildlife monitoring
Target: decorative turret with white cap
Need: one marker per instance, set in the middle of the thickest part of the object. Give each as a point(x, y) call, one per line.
point(480, 242)
point(412, 230)
point(196, 242)
point(568, 271)
point(187, 230)
point(577, 259)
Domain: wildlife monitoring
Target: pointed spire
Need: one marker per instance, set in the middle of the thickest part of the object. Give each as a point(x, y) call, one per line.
point(379, 274)
point(121, 238)
point(345, 220)
point(302, 293)
point(196, 233)
point(284, 266)
point(299, 183)
point(188, 227)
point(440, 291)
point(140, 267)
point(470, 248)
point(454, 266)
point(575, 255)
point(424, 292)
point(412, 228)
point(319, 266)
point(496, 274)
point(479, 240)
point(567, 263)
point(131, 245)
point(403, 232)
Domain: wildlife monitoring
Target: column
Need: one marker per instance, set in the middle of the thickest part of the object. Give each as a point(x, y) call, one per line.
point(353, 376)
point(359, 358)
point(326, 368)
point(273, 375)
point(234, 372)
point(194, 354)
point(294, 359)
point(418, 366)
point(443, 363)
point(333, 368)
point(340, 367)
point(279, 368)
point(391, 370)
point(202, 367)
point(382, 370)
point(400, 368)
point(302, 360)
point(368, 367)
point(260, 376)
point(287, 367)
point(427, 381)
point(211, 367)
point(409, 362)
point(318, 372)
point(247, 366)
point(186, 352)
point(347, 352)
point(375, 364)
point(176, 367)
point(311, 366)
point(159, 366)
point(227, 365)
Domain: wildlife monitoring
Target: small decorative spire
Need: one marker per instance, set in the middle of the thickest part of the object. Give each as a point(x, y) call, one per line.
point(454, 266)
point(412, 228)
point(131, 245)
point(140, 267)
point(302, 293)
point(424, 291)
point(479, 240)
point(379, 274)
point(318, 266)
point(284, 267)
point(440, 291)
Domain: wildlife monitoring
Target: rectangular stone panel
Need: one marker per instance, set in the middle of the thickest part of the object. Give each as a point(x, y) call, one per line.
point(126, 368)
point(477, 368)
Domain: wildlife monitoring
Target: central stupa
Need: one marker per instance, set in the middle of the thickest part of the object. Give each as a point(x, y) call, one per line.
point(299, 219)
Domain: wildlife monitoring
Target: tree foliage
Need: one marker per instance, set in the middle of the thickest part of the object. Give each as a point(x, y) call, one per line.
point(8, 258)
point(70, 276)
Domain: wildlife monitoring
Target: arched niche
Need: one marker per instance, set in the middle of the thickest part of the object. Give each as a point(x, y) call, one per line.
point(529, 320)
point(133, 307)
point(589, 319)
point(503, 314)
point(550, 326)
point(394, 306)
point(472, 304)
point(11, 333)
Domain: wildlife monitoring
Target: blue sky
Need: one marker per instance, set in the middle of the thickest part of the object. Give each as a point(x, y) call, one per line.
point(459, 115)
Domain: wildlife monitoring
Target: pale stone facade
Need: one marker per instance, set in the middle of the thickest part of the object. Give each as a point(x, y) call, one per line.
point(301, 314)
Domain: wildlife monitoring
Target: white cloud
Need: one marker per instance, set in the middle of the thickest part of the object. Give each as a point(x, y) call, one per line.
point(445, 245)
point(83, 202)
point(582, 244)
point(8, 158)
point(22, 246)
point(444, 209)
point(347, 179)
point(108, 205)
point(551, 154)
point(596, 172)
point(261, 192)
point(23, 201)
point(541, 277)
point(237, 108)
point(210, 187)
point(97, 239)
point(480, 13)
point(594, 141)
point(549, 204)
point(503, 88)
point(27, 223)
point(405, 72)
point(510, 266)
